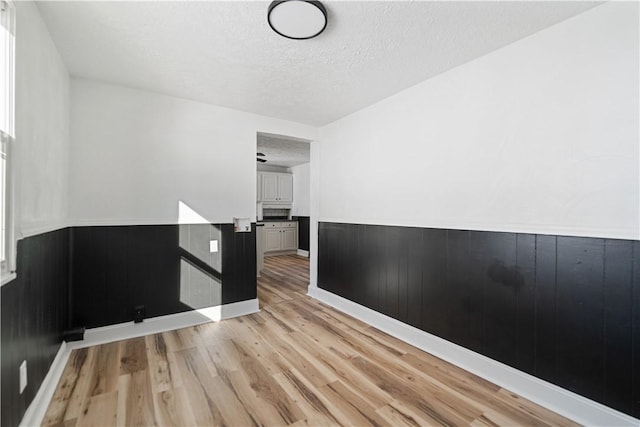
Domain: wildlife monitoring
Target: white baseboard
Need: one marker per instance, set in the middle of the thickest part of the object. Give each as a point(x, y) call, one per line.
point(557, 399)
point(154, 325)
point(99, 222)
point(38, 407)
point(303, 253)
point(36, 411)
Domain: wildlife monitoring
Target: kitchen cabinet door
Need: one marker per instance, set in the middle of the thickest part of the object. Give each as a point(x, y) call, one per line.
point(273, 240)
point(289, 239)
point(285, 188)
point(269, 187)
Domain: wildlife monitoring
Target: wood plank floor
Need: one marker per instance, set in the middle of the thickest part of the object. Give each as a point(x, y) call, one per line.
point(297, 362)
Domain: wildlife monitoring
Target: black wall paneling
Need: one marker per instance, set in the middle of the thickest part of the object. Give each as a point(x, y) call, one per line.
point(34, 317)
point(564, 309)
point(303, 232)
point(165, 268)
point(95, 276)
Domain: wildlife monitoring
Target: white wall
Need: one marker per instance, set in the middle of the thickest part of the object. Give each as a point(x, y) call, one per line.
point(41, 151)
point(540, 136)
point(301, 190)
point(136, 154)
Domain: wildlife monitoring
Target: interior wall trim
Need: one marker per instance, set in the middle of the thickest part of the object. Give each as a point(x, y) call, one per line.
point(38, 406)
point(36, 411)
point(303, 253)
point(631, 233)
point(36, 228)
point(98, 222)
point(169, 322)
point(557, 399)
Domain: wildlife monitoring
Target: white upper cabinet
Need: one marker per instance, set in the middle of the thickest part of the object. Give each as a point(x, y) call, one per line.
point(275, 187)
point(269, 187)
point(285, 188)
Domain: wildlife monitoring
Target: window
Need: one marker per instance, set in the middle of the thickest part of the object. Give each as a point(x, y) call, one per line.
point(7, 86)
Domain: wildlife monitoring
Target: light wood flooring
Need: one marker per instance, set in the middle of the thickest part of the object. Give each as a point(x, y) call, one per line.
point(296, 362)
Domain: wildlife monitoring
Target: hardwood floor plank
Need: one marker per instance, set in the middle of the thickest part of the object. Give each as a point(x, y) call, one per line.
point(139, 400)
point(522, 405)
point(160, 369)
point(280, 319)
point(133, 356)
point(276, 293)
point(172, 408)
point(180, 339)
point(224, 357)
point(297, 357)
point(488, 395)
point(266, 388)
point(275, 323)
point(66, 386)
point(366, 388)
point(176, 378)
point(297, 362)
point(483, 422)
point(397, 414)
point(106, 369)
point(101, 410)
point(260, 409)
point(356, 409)
point(438, 409)
point(231, 408)
point(80, 394)
point(307, 398)
point(123, 395)
point(323, 333)
point(190, 366)
point(248, 340)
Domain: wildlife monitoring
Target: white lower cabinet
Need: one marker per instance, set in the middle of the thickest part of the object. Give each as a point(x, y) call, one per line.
point(273, 242)
point(280, 236)
point(289, 239)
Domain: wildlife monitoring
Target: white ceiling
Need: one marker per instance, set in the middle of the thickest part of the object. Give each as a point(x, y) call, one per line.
point(224, 53)
point(283, 151)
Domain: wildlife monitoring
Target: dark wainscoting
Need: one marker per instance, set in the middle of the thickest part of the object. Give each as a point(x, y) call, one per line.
point(165, 268)
point(34, 316)
point(564, 309)
point(303, 232)
point(95, 276)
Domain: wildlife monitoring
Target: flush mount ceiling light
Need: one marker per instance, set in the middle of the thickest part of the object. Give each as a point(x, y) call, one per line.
point(297, 19)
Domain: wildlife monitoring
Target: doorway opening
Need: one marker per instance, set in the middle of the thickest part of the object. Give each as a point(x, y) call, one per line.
point(283, 210)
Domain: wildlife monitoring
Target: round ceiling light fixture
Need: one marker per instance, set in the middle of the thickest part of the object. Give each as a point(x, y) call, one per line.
point(297, 19)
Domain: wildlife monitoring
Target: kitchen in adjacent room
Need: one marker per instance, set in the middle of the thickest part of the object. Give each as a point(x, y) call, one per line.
point(282, 200)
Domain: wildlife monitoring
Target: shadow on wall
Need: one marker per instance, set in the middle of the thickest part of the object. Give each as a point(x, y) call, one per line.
point(167, 269)
point(200, 248)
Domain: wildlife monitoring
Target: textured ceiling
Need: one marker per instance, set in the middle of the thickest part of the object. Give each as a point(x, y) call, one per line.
point(283, 151)
point(224, 53)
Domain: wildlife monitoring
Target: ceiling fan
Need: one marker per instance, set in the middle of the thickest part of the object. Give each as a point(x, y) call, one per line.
point(259, 159)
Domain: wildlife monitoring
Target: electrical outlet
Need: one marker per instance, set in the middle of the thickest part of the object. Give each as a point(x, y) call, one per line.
point(213, 246)
point(23, 376)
